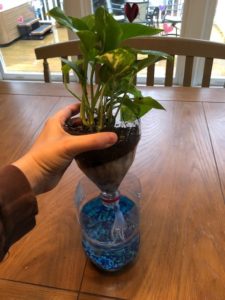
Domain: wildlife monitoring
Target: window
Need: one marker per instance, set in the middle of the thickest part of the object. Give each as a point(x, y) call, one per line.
point(196, 20)
point(218, 35)
point(17, 56)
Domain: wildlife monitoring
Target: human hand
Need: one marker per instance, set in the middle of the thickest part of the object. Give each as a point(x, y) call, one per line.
point(54, 149)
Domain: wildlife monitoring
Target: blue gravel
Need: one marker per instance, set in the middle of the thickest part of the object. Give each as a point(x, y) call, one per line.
point(97, 221)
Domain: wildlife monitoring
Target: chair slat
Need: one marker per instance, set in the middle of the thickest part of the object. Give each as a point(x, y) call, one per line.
point(150, 75)
point(169, 72)
point(188, 70)
point(207, 72)
point(46, 70)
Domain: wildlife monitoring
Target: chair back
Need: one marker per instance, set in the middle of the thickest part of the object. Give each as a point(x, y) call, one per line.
point(189, 48)
point(61, 50)
point(153, 16)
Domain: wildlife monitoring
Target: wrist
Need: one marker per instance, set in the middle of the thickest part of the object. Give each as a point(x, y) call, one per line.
point(31, 171)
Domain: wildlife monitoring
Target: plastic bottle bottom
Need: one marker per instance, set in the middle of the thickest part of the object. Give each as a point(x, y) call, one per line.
point(112, 258)
point(110, 252)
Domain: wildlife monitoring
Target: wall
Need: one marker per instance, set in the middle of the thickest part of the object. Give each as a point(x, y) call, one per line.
point(77, 9)
point(219, 16)
point(6, 4)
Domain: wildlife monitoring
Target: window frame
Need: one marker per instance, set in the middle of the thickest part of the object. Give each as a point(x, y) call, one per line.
point(200, 27)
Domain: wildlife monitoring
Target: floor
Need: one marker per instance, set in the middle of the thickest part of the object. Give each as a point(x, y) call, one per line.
point(20, 57)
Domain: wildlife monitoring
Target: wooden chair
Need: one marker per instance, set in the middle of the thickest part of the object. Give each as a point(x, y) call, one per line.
point(189, 48)
point(63, 50)
point(152, 16)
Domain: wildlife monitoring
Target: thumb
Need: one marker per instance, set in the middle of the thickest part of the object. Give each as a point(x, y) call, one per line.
point(93, 141)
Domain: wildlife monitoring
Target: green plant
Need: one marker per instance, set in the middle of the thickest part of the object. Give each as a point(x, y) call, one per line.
point(101, 43)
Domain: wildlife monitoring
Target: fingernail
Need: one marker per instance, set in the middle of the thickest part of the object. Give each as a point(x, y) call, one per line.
point(113, 138)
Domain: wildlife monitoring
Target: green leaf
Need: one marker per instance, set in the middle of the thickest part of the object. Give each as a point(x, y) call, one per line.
point(134, 91)
point(130, 30)
point(145, 104)
point(125, 84)
point(72, 23)
point(143, 63)
point(153, 53)
point(88, 41)
point(139, 107)
point(78, 24)
point(75, 67)
point(89, 21)
point(120, 61)
point(105, 73)
point(108, 30)
point(61, 18)
point(128, 110)
point(113, 87)
point(126, 114)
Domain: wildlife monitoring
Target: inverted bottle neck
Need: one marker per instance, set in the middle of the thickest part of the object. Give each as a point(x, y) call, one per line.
point(110, 198)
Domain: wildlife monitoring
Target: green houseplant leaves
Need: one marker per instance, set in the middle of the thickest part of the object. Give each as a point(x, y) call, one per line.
point(101, 44)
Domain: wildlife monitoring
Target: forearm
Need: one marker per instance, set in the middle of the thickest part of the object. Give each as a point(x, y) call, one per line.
point(18, 207)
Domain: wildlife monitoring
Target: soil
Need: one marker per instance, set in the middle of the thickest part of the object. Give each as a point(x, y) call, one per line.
point(107, 167)
point(128, 138)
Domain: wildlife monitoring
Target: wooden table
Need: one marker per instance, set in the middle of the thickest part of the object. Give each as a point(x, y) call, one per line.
point(181, 164)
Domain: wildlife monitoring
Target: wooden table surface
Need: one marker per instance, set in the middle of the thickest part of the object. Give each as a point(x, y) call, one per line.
point(181, 164)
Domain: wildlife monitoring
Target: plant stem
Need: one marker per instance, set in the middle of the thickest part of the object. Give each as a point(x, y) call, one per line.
point(88, 113)
point(82, 114)
point(119, 107)
point(97, 94)
point(101, 108)
point(109, 110)
point(72, 93)
point(87, 109)
point(92, 86)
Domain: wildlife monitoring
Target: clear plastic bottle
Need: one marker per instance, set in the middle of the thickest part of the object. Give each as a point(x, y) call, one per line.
point(109, 222)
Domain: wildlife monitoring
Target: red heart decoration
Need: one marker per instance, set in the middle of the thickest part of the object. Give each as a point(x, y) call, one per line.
point(20, 20)
point(131, 12)
point(167, 28)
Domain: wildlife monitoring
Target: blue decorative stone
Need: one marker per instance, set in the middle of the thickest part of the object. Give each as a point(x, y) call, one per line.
point(97, 219)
